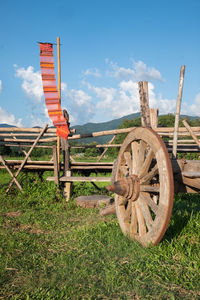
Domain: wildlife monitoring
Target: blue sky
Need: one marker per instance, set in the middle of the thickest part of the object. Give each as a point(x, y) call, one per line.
point(107, 47)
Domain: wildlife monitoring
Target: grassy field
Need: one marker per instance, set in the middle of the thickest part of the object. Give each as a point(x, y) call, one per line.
point(53, 250)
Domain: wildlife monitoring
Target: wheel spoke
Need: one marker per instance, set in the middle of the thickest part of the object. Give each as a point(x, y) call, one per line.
point(122, 200)
point(133, 225)
point(146, 164)
point(150, 175)
point(146, 213)
point(134, 149)
point(128, 160)
point(141, 153)
point(140, 217)
point(150, 188)
point(146, 197)
point(128, 212)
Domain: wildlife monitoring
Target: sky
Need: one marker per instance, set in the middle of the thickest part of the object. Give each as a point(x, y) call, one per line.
point(107, 47)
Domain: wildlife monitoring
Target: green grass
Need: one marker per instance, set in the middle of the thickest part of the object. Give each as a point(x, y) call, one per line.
point(53, 250)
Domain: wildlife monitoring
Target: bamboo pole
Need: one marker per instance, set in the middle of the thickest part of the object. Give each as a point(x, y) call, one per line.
point(59, 95)
point(11, 174)
point(26, 157)
point(105, 150)
point(191, 132)
point(178, 108)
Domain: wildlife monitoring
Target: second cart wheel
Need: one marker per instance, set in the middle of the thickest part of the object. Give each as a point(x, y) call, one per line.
point(144, 186)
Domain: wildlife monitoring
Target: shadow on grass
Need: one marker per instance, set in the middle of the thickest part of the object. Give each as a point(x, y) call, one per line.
point(185, 207)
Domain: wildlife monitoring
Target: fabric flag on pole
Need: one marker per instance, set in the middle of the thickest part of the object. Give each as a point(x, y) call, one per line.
point(50, 90)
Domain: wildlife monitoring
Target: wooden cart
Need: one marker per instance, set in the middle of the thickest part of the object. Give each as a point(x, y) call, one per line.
point(146, 178)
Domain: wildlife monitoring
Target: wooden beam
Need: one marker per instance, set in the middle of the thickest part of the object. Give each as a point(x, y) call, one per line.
point(178, 109)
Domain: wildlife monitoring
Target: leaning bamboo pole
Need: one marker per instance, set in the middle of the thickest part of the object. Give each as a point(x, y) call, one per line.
point(178, 109)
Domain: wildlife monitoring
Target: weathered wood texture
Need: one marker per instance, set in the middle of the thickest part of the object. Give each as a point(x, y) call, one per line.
point(154, 117)
point(81, 179)
point(108, 210)
point(93, 201)
point(144, 103)
point(55, 162)
point(144, 216)
point(178, 108)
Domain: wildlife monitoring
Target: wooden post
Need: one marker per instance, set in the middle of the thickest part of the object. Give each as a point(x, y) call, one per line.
point(55, 162)
point(178, 108)
point(67, 171)
point(154, 117)
point(144, 103)
point(59, 95)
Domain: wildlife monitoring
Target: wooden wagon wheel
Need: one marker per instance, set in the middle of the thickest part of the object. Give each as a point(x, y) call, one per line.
point(144, 186)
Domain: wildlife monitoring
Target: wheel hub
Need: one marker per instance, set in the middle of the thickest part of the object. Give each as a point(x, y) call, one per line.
point(128, 187)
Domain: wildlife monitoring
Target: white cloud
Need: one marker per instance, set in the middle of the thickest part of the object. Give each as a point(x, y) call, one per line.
point(32, 82)
point(92, 72)
point(124, 100)
point(192, 109)
point(63, 86)
point(106, 95)
point(8, 118)
point(0, 86)
point(35, 121)
point(139, 72)
point(79, 105)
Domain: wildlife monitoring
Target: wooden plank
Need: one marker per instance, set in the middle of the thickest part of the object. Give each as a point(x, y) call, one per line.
point(178, 108)
point(191, 174)
point(81, 179)
point(26, 157)
point(144, 103)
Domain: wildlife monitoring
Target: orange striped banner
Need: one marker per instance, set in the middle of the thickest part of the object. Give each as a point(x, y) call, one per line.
point(50, 90)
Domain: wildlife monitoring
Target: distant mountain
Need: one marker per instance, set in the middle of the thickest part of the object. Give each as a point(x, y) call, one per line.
point(6, 125)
